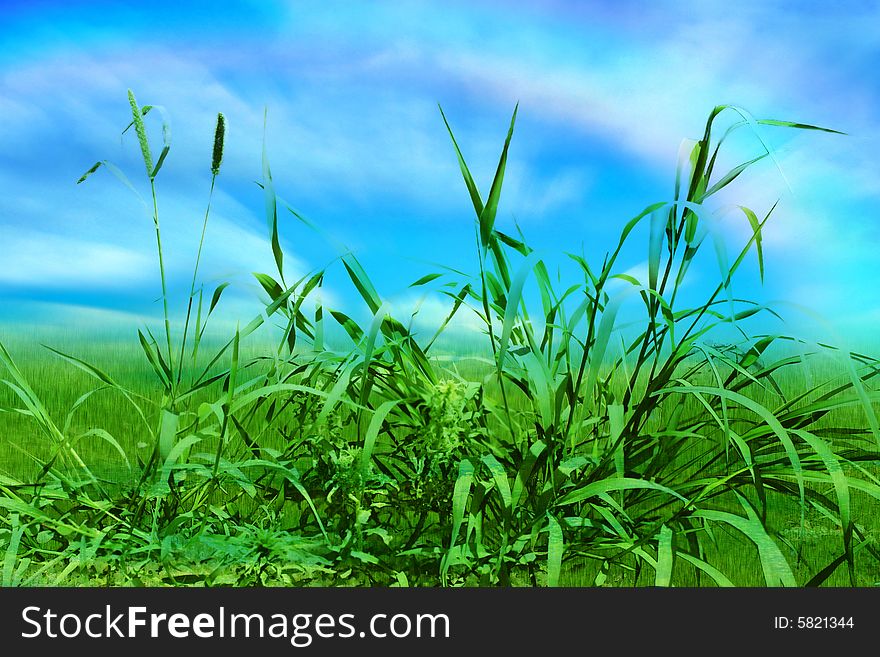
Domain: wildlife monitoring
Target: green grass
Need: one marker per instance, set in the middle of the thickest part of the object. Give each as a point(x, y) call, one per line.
point(62, 385)
point(554, 448)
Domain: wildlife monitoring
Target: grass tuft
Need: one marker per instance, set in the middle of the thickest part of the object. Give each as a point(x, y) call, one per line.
point(558, 447)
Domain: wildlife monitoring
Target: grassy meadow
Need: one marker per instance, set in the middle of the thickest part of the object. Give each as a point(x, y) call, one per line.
point(552, 448)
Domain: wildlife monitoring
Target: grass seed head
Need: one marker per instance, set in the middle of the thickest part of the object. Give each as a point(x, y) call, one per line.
point(141, 130)
point(219, 136)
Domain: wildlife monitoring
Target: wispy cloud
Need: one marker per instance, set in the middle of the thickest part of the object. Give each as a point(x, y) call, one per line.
point(355, 138)
point(40, 259)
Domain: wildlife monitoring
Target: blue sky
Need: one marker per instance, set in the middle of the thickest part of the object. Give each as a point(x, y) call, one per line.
point(607, 91)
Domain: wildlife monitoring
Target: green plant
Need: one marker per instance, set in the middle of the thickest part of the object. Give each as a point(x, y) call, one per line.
point(558, 457)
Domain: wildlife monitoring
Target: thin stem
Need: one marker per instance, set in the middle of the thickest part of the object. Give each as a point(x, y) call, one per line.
point(192, 287)
point(164, 285)
point(482, 252)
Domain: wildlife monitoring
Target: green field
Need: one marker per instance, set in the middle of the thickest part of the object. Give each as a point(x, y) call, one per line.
point(25, 449)
point(551, 448)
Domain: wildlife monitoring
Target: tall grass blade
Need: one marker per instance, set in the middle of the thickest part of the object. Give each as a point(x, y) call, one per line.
point(555, 548)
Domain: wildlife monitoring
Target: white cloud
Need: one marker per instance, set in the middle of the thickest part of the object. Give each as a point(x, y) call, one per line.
point(40, 259)
point(363, 125)
point(532, 197)
point(52, 316)
point(431, 311)
point(319, 141)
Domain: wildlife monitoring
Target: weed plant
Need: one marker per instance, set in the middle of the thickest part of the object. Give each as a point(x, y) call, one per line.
point(557, 458)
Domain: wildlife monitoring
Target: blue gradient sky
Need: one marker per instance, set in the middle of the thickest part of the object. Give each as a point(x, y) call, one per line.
point(607, 92)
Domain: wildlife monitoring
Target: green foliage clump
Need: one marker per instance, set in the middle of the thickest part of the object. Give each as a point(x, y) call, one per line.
point(575, 452)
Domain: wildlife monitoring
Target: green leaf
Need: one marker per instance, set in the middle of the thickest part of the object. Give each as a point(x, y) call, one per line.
point(11, 556)
point(215, 298)
point(777, 571)
point(719, 577)
point(167, 433)
point(765, 414)
point(362, 282)
point(838, 478)
point(177, 451)
point(424, 280)
point(664, 558)
point(488, 213)
point(555, 548)
point(166, 138)
point(500, 477)
point(465, 172)
point(271, 203)
point(614, 484)
point(800, 126)
point(85, 367)
point(270, 285)
point(520, 485)
point(460, 494)
point(373, 430)
point(513, 300)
